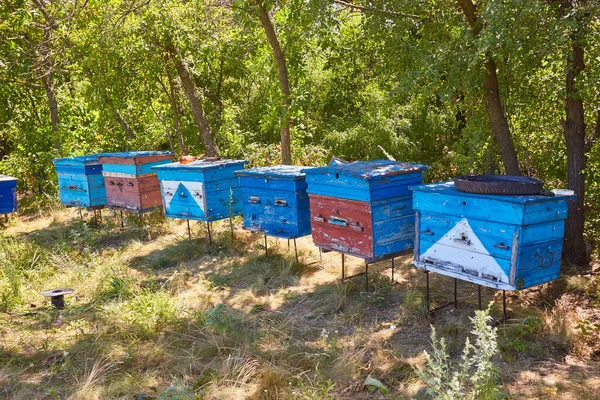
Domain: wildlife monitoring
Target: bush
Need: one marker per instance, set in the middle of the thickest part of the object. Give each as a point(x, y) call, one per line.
point(475, 376)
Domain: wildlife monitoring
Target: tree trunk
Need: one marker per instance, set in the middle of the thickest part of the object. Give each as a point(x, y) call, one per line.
point(574, 131)
point(284, 84)
point(126, 128)
point(175, 108)
point(493, 102)
point(46, 66)
point(191, 92)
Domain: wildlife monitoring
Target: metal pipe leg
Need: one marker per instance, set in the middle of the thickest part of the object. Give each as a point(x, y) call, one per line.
point(231, 228)
point(289, 244)
point(80, 216)
point(209, 233)
point(321, 254)
point(479, 295)
point(266, 250)
point(392, 270)
point(343, 269)
point(455, 293)
point(122, 226)
point(188, 226)
point(295, 249)
point(366, 276)
point(504, 304)
point(427, 290)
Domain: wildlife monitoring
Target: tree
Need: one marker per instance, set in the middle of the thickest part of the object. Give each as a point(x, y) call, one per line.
point(284, 83)
point(491, 94)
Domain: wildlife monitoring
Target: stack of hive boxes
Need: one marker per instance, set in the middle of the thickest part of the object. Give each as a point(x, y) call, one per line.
point(500, 241)
point(204, 190)
point(131, 184)
point(275, 201)
point(363, 208)
point(80, 182)
point(8, 194)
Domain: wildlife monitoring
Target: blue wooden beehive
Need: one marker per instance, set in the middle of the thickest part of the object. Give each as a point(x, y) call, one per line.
point(204, 190)
point(275, 201)
point(80, 182)
point(363, 208)
point(499, 241)
point(8, 194)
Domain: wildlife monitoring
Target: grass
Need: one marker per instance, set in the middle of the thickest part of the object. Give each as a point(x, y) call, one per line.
point(157, 314)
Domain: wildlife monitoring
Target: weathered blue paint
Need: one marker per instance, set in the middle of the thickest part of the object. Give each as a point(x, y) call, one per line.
point(80, 181)
point(372, 203)
point(504, 242)
point(8, 194)
point(275, 201)
point(202, 190)
point(364, 180)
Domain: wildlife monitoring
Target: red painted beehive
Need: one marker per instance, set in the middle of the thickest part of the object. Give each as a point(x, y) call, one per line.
point(130, 182)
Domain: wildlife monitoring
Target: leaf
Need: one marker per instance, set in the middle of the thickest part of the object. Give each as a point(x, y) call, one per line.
point(372, 384)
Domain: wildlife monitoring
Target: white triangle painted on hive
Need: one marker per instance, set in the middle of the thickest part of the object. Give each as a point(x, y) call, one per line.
point(473, 256)
point(169, 187)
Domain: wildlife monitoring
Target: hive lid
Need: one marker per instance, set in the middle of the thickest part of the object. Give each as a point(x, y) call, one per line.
point(201, 165)
point(369, 170)
point(87, 159)
point(6, 178)
point(276, 171)
point(449, 189)
point(133, 154)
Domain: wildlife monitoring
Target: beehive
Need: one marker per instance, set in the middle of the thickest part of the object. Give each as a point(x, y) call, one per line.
point(130, 182)
point(363, 208)
point(80, 182)
point(499, 241)
point(8, 194)
point(203, 190)
point(275, 201)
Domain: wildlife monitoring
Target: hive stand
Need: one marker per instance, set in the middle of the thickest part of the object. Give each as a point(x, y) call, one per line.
point(367, 261)
point(454, 303)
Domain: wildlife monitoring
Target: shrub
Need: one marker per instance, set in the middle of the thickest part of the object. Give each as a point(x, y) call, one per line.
point(475, 376)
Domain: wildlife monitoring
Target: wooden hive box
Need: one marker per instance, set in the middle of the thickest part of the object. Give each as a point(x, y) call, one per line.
point(80, 182)
point(204, 190)
point(130, 182)
point(499, 241)
point(275, 201)
point(8, 194)
point(363, 208)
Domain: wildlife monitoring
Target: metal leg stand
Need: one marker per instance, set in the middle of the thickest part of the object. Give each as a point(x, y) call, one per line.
point(188, 226)
point(343, 269)
point(320, 254)
point(479, 295)
point(122, 226)
point(392, 270)
point(295, 249)
point(289, 244)
point(427, 290)
point(366, 276)
point(504, 304)
point(209, 234)
point(80, 216)
point(266, 249)
point(455, 293)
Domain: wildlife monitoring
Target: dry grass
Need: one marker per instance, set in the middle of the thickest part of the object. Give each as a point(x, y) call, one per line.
point(154, 310)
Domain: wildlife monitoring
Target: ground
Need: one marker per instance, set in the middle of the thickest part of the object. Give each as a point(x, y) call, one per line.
point(155, 314)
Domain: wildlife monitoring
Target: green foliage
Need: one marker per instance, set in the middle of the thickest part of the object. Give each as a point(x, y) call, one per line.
point(150, 312)
point(22, 261)
point(474, 376)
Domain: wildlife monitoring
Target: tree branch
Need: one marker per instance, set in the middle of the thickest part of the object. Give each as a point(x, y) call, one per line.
point(375, 10)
